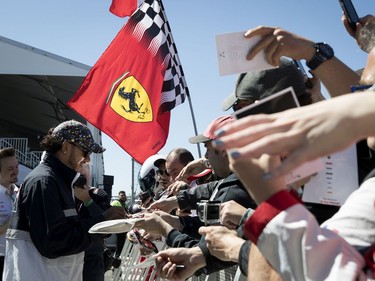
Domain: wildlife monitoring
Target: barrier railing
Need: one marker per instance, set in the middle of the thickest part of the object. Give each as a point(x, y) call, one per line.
point(131, 256)
point(28, 158)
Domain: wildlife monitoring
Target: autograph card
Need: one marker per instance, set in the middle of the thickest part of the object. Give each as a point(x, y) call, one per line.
point(114, 226)
point(232, 49)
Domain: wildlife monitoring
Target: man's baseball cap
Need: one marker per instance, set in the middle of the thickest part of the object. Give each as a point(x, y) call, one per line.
point(209, 133)
point(75, 132)
point(257, 85)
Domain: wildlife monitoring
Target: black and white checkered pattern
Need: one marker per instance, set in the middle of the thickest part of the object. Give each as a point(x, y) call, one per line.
point(153, 24)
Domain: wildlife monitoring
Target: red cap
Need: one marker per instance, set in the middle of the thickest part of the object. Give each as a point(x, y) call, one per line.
point(209, 133)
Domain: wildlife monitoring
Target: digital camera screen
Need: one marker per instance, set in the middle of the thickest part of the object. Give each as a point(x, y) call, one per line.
point(213, 212)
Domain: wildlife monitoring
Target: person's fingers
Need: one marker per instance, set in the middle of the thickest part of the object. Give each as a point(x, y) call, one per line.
point(259, 46)
point(259, 30)
point(228, 223)
point(182, 173)
point(159, 263)
point(273, 144)
point(203, 230)
point(170, 270)
point(244, 123)
point(348, 28)
point(250, 140)
point(270, 49)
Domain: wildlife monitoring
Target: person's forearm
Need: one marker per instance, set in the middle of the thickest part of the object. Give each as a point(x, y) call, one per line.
point(363, 114)
point(165, 228)
point(233, 253)
point(336, 76)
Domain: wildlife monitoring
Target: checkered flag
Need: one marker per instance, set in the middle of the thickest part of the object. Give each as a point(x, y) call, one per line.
point(174, 89)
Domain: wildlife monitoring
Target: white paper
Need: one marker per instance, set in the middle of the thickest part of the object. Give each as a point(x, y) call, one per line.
point(305, 170)
point(232, 49)
point(336, 181)
point(114, 226)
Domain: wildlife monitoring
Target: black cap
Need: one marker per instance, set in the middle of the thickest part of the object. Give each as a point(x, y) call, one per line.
point(257, 85)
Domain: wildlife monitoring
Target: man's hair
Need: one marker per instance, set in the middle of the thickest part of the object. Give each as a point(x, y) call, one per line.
point(183, 155)
point(121, 191)
point(6, 152)
point(366, 37)
point(51, 143)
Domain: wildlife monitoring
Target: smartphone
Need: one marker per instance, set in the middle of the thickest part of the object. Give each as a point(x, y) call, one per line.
point(350, 12)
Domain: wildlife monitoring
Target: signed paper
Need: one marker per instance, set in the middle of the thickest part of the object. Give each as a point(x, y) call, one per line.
point(336, 181)
point(232, 49)
point(114, 226)
point(305, 170)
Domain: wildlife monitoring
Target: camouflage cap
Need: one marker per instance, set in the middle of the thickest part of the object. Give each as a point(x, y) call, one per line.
point(75, 132)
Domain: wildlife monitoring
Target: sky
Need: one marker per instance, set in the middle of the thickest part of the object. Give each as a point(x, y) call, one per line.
point(81, 30)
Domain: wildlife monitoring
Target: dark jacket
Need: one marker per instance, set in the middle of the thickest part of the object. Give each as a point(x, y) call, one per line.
point(45, 210)
point(230, 188)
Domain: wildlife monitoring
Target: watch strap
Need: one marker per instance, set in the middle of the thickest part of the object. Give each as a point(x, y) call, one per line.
point(321, 55)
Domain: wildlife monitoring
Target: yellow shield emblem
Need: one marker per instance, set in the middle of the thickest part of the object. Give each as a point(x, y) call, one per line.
point(131, 101)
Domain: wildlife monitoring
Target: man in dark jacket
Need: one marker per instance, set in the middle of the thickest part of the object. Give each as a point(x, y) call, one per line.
point(46, 238)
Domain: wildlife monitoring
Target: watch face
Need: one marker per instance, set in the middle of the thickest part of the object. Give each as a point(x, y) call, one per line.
point(325, 50)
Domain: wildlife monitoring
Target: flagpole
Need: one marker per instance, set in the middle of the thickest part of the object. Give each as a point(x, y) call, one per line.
point(133, 195)
point(183, 77)
point(194, 124)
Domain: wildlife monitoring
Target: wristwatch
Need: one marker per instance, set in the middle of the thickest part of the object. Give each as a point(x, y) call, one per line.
point(323, 52)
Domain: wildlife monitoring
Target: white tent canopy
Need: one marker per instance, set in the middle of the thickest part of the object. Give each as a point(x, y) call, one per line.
point(35, 86)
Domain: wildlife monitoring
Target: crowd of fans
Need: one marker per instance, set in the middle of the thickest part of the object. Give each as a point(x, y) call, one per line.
point(230, 208)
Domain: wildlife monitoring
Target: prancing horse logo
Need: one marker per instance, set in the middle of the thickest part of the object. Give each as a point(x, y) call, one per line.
point(131, 101)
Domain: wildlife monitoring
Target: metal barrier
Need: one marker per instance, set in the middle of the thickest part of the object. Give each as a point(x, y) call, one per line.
point(25, 157)
point(130, 256)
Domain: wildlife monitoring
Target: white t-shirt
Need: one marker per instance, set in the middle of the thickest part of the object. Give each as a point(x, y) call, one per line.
point(6, 204)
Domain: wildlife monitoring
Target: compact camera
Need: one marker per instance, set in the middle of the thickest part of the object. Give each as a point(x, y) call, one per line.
point(209, 211)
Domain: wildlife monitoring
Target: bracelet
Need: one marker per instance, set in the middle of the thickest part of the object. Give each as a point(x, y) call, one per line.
point(88, 203)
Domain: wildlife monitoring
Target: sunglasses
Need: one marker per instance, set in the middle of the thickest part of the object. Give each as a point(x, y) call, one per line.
point(242, 103)
point(85, 153)
point(162, 173)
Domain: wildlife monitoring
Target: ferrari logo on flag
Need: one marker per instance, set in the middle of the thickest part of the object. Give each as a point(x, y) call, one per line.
point(131, 101)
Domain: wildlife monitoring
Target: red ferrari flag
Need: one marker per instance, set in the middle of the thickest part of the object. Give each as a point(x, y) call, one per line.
point(130, 90)
point(123, 8)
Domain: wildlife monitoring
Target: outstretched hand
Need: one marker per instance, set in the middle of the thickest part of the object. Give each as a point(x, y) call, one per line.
point(179, 263)
point(304, 133)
